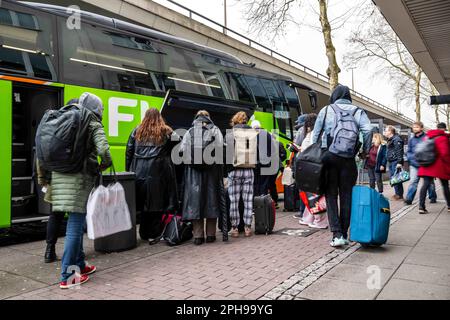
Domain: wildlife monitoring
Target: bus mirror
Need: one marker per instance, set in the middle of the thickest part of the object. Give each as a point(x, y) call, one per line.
point(313, 99)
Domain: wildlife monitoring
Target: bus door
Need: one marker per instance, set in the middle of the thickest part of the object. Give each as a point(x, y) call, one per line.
point(29, 103)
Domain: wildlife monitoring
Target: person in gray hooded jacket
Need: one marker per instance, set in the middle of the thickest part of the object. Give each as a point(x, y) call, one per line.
point(341, 172)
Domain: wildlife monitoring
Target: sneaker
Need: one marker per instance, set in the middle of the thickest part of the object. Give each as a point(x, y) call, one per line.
point(76, 281)
point(235, 233)
point(423, 211)
point(88, 270)
point(248, 231)
point(408, 202)
point(314, 225)
point(210, 239)
point(303, 223)
point(296, 216)
point(448, 210)
point(396, 197)
point(338, 242)
point(433, 201)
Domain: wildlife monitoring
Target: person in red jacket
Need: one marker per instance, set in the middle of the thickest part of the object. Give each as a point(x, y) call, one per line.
point(440, 168)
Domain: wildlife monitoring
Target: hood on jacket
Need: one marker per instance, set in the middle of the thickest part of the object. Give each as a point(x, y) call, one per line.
point(435, 133)
point(341, 92)
point(204, 120)
point(92, 103)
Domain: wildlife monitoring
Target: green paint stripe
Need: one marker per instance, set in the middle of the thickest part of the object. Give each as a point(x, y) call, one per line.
point(5, 152)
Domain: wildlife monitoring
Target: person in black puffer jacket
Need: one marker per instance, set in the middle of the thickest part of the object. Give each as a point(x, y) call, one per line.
point(395, 157)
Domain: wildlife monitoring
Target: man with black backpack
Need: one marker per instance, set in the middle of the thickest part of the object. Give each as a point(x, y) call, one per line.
point(68, 143)
point(337, 129)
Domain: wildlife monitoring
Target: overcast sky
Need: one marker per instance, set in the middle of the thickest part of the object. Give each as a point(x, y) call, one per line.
point(305, 44)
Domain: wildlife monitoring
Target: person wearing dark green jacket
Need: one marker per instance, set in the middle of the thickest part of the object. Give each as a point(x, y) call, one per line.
point(70, 193)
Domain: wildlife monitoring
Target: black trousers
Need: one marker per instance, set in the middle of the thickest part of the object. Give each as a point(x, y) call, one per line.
point(273, 187)
point(427, 181)
point(375, 177)
point(151, 225)
point(53, 226)
point(341, 177)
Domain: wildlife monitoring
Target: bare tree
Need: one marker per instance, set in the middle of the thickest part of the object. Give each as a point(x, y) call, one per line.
point(375, 43)
point(272, 16)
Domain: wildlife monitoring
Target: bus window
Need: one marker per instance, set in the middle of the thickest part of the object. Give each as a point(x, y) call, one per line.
point(182, 67)
point(215, 86)
point(260, 94)
point(112, 60)
point(26, 44)
point(238, 86)
point(292, 99)
point(283, 119)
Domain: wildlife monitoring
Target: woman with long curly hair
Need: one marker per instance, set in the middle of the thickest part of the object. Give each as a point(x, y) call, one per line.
point(148, 155)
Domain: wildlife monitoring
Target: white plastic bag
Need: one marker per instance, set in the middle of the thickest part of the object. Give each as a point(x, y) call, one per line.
point(287, 179)
point(107, 211)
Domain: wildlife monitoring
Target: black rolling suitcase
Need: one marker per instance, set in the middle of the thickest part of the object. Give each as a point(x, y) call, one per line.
point(265, 213)
point(291, 198)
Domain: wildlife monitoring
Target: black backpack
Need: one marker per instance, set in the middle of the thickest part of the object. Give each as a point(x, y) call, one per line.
point(425, 153)
point(61, 139)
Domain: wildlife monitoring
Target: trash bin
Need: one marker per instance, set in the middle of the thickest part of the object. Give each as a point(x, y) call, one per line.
point(124, 240)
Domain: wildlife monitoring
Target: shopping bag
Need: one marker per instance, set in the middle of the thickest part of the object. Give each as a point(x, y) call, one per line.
point(288, 177)
point(313, 202)
point(400, 176)
point(107, 211)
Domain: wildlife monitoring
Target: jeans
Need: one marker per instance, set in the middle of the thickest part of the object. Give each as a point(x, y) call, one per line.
point(375, 177)
point(412, 189)
point(73, 246)
point(398, 187)
point(341, 177)
point(53, 226)
point(423, 191)
point(151, 225)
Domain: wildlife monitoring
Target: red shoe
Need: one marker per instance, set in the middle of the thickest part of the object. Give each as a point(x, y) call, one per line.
point(88, 270)
point(76, 281)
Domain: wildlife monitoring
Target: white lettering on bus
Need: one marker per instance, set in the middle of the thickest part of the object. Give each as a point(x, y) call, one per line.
point(115, 116)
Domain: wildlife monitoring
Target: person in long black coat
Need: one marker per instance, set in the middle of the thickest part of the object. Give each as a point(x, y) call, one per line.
point(203, 196)
point(148, 154)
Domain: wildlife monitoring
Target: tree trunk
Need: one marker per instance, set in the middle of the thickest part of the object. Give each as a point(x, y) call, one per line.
point(417, 92)
point(436, 113)
point(333, 67)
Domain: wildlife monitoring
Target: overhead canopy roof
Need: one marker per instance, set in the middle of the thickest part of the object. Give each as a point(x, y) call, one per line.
point(424, 27)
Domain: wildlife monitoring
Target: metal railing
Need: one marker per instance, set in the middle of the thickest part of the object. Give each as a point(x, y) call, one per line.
point(258, 46)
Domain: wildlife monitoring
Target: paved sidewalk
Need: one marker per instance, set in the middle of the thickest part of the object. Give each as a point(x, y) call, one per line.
point(260, 267)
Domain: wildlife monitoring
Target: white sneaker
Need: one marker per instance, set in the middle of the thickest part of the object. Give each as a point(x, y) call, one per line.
point(337, 242)
point(316, 226)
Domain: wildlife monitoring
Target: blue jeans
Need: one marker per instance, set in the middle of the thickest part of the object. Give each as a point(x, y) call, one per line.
point(398, 187)
point(413, 171)
point(73, 246)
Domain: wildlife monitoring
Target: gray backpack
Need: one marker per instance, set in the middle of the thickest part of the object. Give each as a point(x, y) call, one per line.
point(345, 133)
point(425, 153)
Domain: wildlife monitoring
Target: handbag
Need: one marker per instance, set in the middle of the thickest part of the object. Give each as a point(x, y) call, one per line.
point(313, 202)
point(309, 169)
point(399, 177)
point(107, 210)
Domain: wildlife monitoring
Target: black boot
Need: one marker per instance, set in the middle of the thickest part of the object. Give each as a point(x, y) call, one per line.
point(50, 254)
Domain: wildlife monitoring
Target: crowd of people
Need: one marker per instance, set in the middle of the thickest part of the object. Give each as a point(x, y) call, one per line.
point(201, 191)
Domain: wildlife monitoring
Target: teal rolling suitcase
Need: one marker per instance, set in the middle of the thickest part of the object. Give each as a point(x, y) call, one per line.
point(370, 217)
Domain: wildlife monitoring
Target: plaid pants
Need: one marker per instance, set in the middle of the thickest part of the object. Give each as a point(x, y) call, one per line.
point(241, 181)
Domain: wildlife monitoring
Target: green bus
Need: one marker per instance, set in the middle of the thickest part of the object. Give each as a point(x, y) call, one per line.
point(45, 61)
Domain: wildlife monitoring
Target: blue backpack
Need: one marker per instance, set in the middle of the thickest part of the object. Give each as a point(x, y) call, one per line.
point(345, 134)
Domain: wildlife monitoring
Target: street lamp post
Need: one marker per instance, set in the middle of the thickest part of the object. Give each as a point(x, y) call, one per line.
point(225, 16)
